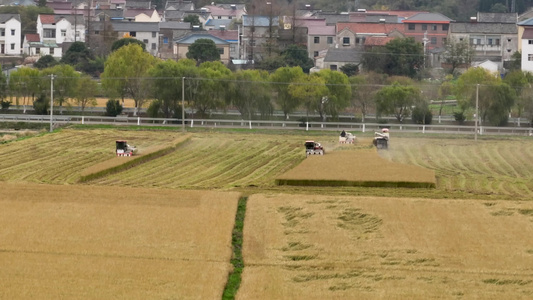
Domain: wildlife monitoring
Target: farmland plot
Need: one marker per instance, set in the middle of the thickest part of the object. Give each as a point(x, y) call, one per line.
point(488, 167)
point(220, 160)
point(332, 247)
point(81, 242)
point(61, 157)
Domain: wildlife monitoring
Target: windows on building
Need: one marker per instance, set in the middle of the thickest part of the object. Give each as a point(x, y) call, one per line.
point(220, 51)
point(12, 32)
point(434, 27)
point(154, 46)
point(165, 40)
point(13, 46)
point(424, 26)
point(333, 67)
point(37, 50)
point(433, 40)
point(316, 39)
point(444, 40)
point(530, 42)
point(445, 27)
point(530, 57)
point(133, 33)
point(2, 32)
point(411, 26)
point(49, 33)
point(64, 32)
point(145, 41)
point(346, 41)
point(315, 53)
point(96, 32)
point(330, 40)
point(52, 51)
point(154, 34)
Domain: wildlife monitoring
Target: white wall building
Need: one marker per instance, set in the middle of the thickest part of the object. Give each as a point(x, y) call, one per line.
point(10, 33)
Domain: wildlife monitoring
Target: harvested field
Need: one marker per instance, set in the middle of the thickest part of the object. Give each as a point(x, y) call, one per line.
point(332, 247)
point(81, 242)
point(356, 168)
point(61, 157)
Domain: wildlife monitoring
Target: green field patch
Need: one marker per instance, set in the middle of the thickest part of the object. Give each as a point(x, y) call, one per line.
point(527, 212)
point(358, 168)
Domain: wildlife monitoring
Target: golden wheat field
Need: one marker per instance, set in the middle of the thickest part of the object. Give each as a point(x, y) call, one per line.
point(363, 167)
point(81, 242)
point(331, 247)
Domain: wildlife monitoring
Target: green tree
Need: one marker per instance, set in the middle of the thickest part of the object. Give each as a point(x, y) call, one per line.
point(296, 55)
point(400, 57)
point(350, 69)
point(458, 53)
point(520, 81)
point(397, 100)
point(210, 93)
point(193, 19)
point(125, 73)
point(203, 50)
point(516, 61)
point(113, 108)
point(248, 92)
point(495, 98)
point(166, 84)
point(85, 91)
point(338, 94)
point(77, 55)
point(25, 83)
point(45, 61)
point(280, 81)
point(126, 41)
point(65, 83)
point(364, 87)
point(41, 105)
point(309, 90)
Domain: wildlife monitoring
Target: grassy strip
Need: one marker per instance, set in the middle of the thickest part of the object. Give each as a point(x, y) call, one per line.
point(304, 182)
point(234, 279)
point(131, 163)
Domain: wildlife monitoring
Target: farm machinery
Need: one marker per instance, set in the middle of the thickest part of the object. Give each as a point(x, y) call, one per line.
point(346, 138)
point(312, 148)
point(124, 149)
point(381, 139)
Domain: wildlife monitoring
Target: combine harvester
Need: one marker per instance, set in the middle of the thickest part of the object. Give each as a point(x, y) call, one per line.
point(123, 149)
point(381, 139)
point(346, 138)
point(312, 148)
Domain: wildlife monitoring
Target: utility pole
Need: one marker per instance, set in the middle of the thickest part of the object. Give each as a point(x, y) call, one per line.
point(477, 110)
point(183, 104)
point(52, 102)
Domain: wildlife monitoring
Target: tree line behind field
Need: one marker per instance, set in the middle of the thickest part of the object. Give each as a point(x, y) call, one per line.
point(130, 72)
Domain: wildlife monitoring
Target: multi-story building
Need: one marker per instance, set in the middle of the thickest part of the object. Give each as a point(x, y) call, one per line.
point(10, 34)
point(181, 47)
point(525, 36)
point(147, 32)
point(430, 29)
point(258, 34)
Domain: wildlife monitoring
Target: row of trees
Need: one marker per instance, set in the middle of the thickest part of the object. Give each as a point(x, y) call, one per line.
point(130, 72)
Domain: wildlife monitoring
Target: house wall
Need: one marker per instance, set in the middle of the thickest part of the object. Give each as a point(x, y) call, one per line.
point(440, 33)
point(346, 34)
point(313, 48)
point(144, 18)
point(506, 45)
point(149, 39)
point(527, 55)
point(11, 37)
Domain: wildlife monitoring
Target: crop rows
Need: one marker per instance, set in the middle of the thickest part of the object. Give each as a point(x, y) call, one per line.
point(60, 157)
point(485, 167)
point(216, 161)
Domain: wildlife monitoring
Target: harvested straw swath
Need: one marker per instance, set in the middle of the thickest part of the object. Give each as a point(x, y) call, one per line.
point(356, 168)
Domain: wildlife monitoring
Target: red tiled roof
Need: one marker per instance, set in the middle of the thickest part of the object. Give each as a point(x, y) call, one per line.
point(384, 28)
point(33, 37)
point(378, 40)
point(47, 19)
point(528, 34)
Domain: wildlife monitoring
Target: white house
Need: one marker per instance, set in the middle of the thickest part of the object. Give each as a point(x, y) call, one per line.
point(525, 35)
point(33, 46)
point(10, 33)
point(61, 28)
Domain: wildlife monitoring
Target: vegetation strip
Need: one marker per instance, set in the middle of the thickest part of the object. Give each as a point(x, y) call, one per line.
point(234, 279)
point(133, 162)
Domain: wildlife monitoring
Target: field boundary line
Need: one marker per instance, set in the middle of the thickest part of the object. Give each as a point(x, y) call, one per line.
point(234, 278)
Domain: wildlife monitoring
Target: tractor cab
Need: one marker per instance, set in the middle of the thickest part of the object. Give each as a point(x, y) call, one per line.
point(312, 147)
point(123, 149)
point(381, 139)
